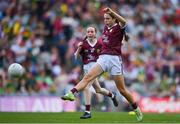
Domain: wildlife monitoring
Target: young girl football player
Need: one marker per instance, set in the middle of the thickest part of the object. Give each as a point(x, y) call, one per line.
point(109, 60)
point(89, 50)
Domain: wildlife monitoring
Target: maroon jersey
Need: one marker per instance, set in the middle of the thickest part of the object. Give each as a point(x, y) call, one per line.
point(90, 53)
point(112, 40)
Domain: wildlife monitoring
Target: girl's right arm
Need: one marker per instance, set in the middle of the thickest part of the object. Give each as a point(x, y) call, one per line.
point(77, 53)
point(120, 19)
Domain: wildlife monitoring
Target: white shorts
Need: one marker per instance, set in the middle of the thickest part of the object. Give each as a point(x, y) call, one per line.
point(111, 64)
point(87, 67)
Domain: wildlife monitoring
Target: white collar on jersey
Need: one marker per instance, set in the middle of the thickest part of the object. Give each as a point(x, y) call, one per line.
point(93, 43)
point(112, 26)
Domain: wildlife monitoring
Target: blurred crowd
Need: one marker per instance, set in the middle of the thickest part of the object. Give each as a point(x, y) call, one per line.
point(42, 35)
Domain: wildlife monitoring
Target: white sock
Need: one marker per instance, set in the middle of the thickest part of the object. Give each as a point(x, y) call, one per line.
point(88, 112)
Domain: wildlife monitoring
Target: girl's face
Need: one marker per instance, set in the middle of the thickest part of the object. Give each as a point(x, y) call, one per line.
point(108, 20)
point(91, 32)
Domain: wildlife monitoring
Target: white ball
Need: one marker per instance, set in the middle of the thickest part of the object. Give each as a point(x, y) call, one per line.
point(15, 70)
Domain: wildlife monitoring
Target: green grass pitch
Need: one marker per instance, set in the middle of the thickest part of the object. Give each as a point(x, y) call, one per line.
point(97, 117)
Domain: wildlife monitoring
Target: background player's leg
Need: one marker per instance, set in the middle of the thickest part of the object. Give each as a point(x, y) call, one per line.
point(87, 100)
point(87, 97)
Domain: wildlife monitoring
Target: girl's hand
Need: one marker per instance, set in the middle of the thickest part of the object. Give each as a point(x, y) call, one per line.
point(107, 10)
point(80, 44)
